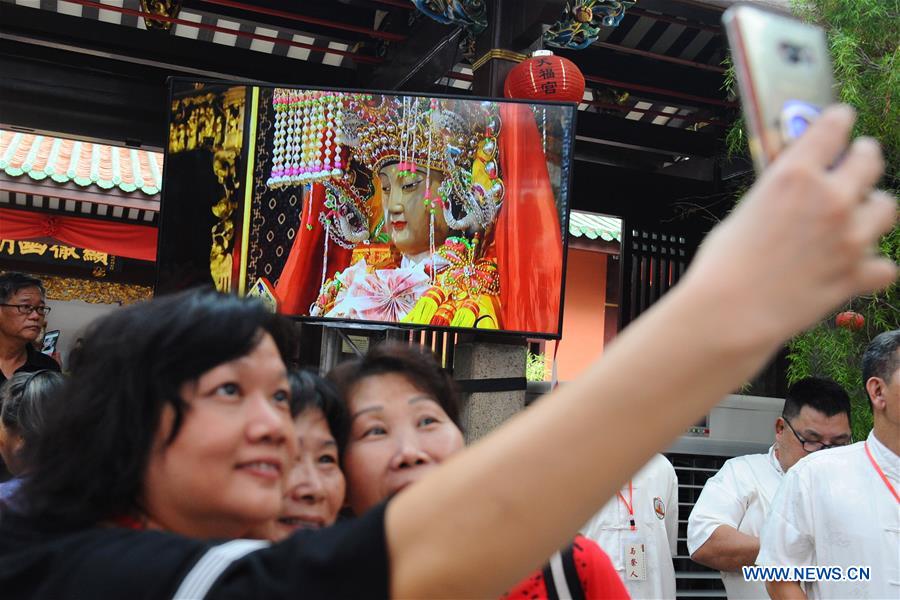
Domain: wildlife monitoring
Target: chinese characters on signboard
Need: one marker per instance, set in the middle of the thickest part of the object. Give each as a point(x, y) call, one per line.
point(98, 262)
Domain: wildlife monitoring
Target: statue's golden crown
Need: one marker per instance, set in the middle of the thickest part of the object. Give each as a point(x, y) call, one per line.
point(439, 133)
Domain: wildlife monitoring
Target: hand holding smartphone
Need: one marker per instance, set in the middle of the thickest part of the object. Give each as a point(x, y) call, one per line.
point(784, 76)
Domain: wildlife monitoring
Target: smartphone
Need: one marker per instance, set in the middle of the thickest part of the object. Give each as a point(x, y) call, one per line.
point(784, 76)
point(50, 340)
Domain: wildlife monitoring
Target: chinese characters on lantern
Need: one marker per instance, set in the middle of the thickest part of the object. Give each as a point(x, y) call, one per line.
point(548, 75)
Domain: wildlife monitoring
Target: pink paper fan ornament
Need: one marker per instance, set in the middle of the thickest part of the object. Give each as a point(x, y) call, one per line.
point(388, 294)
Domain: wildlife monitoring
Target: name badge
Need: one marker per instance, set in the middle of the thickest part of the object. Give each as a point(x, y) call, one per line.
point(635, 559)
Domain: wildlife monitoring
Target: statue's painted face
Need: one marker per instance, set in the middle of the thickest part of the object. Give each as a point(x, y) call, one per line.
point(405, 214)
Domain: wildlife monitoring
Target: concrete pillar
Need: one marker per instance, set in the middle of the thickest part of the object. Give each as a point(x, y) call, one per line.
point(484, 365)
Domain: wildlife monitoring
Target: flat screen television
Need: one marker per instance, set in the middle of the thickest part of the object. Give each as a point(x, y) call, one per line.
point(358, 207)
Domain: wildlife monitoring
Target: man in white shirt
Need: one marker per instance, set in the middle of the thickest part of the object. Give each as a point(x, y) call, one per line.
point(638, 529)
point(724, 526)
point(841, 508)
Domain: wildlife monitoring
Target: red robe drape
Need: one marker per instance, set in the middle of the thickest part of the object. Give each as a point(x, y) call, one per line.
point(527, 238)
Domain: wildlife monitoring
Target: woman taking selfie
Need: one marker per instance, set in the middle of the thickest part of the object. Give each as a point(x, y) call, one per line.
point(177, 403)
point(404, 422)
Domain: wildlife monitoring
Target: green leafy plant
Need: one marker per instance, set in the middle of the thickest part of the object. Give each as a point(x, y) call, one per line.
point(535, 367)
point(736, 136)
point(866, 56)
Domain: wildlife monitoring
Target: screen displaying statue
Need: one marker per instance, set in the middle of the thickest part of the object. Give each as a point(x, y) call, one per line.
point(408, 210)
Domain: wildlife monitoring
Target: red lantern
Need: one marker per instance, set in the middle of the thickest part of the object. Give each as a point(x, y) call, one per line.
point(545, 76)
point(850, 320)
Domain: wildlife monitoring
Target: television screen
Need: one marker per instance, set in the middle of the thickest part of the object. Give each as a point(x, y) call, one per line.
point(368, 207)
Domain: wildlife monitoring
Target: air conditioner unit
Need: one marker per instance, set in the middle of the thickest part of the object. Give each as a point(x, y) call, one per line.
point(737, 425)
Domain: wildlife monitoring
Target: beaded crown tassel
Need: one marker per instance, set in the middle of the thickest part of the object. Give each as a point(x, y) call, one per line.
point(308, 137)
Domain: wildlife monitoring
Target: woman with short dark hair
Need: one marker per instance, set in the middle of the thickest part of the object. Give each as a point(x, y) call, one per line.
point(395, 383)
point(311, 391)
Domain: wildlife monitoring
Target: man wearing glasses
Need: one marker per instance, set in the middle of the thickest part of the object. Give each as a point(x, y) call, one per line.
point(725, 524)
point(841, 509)
point(22, 318)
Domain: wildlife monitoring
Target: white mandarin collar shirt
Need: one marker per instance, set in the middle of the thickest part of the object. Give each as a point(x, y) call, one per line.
point(739, 496)
point(833, 509)
point(654, 492)
point(887, 460)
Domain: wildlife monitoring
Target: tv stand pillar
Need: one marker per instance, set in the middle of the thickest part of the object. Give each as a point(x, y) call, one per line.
point(491, 377)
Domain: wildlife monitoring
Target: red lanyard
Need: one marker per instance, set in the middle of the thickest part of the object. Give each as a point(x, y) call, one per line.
point(629, 505)
point(881, 473)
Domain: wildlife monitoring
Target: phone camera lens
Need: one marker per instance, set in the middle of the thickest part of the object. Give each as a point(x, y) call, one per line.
point(793, 54)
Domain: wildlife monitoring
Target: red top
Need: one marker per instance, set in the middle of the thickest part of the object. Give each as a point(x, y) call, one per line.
point(598, 577)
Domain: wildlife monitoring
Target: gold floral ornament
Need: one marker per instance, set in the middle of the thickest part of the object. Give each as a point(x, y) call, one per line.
point(200, 122)
point(326, 299)
point(467, 276)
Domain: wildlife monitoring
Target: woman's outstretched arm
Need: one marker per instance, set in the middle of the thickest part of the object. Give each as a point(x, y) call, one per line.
point(798, 245)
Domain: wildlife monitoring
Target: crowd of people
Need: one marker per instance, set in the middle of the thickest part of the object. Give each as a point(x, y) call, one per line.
point(185, 456)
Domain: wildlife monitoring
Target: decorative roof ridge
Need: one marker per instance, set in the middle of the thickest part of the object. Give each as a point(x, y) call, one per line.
point(593, 226)
point(88, 164)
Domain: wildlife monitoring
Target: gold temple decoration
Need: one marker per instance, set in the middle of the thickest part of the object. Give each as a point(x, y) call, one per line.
point(93, 291)
point(221, 259)
point(163, 8)
point(214, 122)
